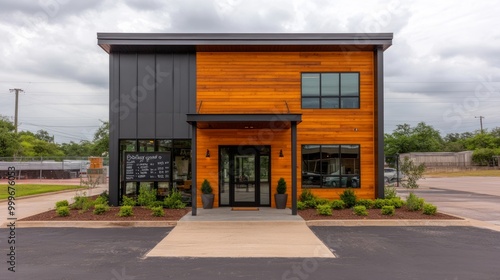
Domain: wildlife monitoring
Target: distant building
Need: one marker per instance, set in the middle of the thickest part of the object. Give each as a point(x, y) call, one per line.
point(435, 161)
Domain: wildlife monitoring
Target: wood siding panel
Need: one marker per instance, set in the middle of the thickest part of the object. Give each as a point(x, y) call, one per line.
point(271, 83)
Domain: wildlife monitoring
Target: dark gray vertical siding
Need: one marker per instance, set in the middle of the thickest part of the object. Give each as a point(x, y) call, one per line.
point(146, 97)
point(114, 120)
point(181, 95)
point(379, 89)
point(128, 96)
point(192, 84)
point(150, 95)
point(164, 94)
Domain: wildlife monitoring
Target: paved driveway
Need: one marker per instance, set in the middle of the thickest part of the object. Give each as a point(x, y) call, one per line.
point(471, 197)
point(362, 253)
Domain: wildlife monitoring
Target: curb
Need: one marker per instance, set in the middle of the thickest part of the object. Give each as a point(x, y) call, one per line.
point(93, 224)
point(387, 223)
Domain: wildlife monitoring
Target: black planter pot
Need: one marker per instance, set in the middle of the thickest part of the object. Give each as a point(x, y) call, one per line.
point(207, 200)
point(280, 200)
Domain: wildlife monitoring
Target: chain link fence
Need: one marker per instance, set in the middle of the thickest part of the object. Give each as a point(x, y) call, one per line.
point(47, 167)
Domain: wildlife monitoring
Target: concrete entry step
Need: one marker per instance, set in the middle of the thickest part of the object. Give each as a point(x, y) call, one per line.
point(241, 239)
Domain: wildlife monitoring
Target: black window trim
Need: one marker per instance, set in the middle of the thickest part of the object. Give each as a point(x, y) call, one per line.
point(340, 92)
point(322, 176)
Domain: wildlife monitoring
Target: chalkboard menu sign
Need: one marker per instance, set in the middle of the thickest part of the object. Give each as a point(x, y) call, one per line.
point(151, 166)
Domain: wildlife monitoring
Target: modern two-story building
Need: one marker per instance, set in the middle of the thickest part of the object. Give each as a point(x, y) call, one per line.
point(243, 110)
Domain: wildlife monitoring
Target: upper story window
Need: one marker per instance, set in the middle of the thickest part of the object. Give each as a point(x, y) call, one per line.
point(330, 90)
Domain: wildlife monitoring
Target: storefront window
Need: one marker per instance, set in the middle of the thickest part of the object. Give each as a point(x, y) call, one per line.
point(180, 159)
point(330, 166)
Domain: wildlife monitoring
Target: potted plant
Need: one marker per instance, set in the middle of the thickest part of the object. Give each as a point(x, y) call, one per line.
point(207, 197)
point(281, 196)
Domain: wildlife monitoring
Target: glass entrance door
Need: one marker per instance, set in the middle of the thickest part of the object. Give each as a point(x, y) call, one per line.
point(244, 176)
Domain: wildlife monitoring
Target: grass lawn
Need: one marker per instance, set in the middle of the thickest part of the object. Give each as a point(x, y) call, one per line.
point(30, 189)
point(477, 173)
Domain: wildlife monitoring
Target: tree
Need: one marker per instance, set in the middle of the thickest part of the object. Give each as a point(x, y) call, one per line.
point(481, 140)
point(405, 139)
point(82, 149)
point(484, 156)
point(31, 146)
point(412, 171)
point(44, 136)
point(8, 138)
point(101, 140)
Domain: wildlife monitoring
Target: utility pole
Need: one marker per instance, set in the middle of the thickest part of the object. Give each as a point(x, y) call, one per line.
point(16, 91)
point(480, 122)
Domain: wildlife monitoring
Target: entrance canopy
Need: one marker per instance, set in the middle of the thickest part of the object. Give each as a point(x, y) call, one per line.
point(243, 121)
point(246, 121)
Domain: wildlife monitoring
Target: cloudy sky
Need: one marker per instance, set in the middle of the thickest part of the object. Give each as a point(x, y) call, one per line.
point(443, 67)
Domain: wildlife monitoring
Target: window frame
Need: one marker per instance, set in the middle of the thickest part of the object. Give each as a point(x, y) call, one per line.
point(176, 147)
point(323, 177)
point(322, 96)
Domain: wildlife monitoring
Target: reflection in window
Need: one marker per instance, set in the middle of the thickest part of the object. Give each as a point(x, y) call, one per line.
point(330, 166)
point(330, 90)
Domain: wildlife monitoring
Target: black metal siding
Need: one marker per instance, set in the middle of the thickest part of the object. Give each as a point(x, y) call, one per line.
point(114, 128)
point(150, 95)
point(128, 96)
point(146, 96)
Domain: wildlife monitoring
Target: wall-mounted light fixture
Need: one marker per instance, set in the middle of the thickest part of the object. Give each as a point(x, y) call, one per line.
point(281, 153)
point(208, 153)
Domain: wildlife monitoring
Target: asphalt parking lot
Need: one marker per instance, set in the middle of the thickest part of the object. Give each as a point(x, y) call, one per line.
point(362, 252)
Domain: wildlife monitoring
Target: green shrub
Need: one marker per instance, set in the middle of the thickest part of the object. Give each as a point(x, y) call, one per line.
point(322, 201)
point(62, 211)
point(368, 203)
point(414, 203)
point(87, 205)
point(388, 210)
point(301, 205)
point(379, 203)
point(390, 192)
point(360, 210)
point(156, 204)
point(81, 202)
point(337, 204)
point(206, 188)
point(146, 196)
point(62, 203)
point(125, 211)
point(105, 195)
point(100, 209)
point(430, 209)
point(174, 201)
point(349, 198)
point(157, 211)
point(101, 200)
point(397, 202)
point(306, 195)
point(312, 203)
point(281, 188)
point(324, 210)
point(128, 201)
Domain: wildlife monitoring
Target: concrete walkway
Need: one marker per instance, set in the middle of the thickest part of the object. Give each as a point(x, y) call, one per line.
point(222, 233)
point(29, 206)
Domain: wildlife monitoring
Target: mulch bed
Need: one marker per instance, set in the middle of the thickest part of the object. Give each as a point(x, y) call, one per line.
point(373, 214)
point(140, 214)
